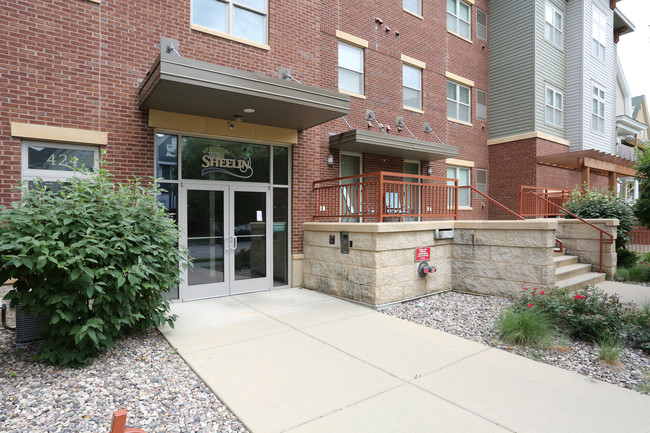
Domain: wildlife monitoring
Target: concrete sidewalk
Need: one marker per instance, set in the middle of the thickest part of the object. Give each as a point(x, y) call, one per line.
point(626, 292)
point(293, 360)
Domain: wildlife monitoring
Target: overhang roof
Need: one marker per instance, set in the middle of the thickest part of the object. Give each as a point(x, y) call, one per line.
point(391, 145)
point(183, 85)
point(622, 24)
point(599, 162)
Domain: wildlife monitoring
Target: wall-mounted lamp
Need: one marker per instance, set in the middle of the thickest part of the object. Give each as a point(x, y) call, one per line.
point(429, 171)
point(330, 160)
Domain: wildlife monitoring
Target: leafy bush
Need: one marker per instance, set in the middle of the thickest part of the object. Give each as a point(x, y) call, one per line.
point(529, 327)
point(639, 332)
point(93, 260)
point(626, 258)
point(595, 203)
point(642, 205)
point(640, 272)
point(622, 274)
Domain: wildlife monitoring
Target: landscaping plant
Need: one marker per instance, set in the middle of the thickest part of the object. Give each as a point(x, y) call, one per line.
point(603, 203)
point(642, 205)
point(529, 327)
point(92, 260)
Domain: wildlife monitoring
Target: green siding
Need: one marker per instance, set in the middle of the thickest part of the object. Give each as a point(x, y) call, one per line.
point(512, 61)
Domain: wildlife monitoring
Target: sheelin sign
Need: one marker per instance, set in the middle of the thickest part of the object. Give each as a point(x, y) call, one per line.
point(240, 168)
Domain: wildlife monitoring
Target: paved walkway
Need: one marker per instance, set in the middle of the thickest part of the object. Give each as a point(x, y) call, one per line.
point(297, 361)
point(627, 292)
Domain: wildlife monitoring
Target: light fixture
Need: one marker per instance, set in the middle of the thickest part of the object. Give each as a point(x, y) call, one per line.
point(249, 110)
point(429, 171)
point(330, 160)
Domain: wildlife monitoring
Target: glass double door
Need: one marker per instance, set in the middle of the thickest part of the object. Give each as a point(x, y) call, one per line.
point(226, 232)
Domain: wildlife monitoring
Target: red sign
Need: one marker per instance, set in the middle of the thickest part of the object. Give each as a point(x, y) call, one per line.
point(423, 253)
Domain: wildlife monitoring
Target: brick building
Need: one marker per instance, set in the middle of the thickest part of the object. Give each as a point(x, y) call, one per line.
point(239, 105)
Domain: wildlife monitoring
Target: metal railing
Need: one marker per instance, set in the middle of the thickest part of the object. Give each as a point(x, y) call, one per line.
point(531, 205)
point(639, 240)
point(385, 196)
point(602, 232)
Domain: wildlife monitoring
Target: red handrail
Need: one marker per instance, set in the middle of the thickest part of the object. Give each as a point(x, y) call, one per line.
point(611, 240)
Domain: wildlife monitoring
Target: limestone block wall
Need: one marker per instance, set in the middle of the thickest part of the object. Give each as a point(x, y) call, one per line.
point(380, 267)
point(502, 257)
point(584, 241)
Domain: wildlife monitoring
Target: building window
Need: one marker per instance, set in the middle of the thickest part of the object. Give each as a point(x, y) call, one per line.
point(414, 6)
point(481, 104)
point(350, 68)
point(599, 34)
point(598, 109)
point(458, 102)
point(553, 106)
point(412, 90)
point(458, 18)
point(553, 26)
point(246, 19)
point(55, 163)
point(463, 176)
point(481, 24)
point(481, 180)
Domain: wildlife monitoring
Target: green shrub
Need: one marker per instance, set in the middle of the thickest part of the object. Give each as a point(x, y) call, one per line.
point(639, 331)
point(622, 274)
point(626, 258)
point(645, 258)
point(595, 203)
point(639, 272)
point(93, 260)
point(609, 349)
point(642, 205)
point(530, 327)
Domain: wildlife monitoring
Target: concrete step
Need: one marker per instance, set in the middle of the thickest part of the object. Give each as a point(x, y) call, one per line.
point(568, 271)
point(580, 281)
point(564, 260)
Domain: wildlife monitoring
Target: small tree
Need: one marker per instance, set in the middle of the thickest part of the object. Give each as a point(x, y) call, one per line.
point(642, 206)
point(93, 260)
point(603, 203)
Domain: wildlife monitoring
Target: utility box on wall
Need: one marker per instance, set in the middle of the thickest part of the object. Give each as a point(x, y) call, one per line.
point(444, 234)
point(345, 242)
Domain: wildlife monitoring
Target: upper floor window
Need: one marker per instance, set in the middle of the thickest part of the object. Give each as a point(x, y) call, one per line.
point(246, 19)
point(412, 87)
point(554, 106)
point(481, 24)
point(414, 6)
point(458, 102)
point(554, 25)
point(481, 104)
point(599, 34)
point(598, 109)
point(464, 179)
point(350, 68)
point(458, 18)
point(55, 163)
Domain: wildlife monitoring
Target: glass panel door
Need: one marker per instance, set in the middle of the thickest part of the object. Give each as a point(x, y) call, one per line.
point(350, 195)
point(205, 226)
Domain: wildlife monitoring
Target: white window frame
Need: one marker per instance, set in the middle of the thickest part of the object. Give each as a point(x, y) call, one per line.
point(28, 174)
point(407, 7)
point(556, 112)
point(457, 20)
point(478, 105)
point(360, 73)
point(598, 103)
point(598, 34)
point(231, 5)
point(457, 102)
point(418, 90)
point(468, 198)
point(481, 29)
point(552, 35)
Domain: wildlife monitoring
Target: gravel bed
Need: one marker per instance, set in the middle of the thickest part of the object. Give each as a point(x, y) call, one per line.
point(472, 317)
point(142, 373)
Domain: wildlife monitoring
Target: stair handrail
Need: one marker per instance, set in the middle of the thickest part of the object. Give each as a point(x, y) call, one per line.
point(602, 232)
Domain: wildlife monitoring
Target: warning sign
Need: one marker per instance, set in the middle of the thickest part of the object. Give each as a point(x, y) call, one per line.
point(423, 253)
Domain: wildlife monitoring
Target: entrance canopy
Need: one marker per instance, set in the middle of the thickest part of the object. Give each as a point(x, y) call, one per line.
point(391, 145)
point(183, 85)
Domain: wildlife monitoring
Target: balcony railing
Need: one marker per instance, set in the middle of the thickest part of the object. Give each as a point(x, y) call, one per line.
point(542, 202)
point(640, 240)
point(385, 196)
point(627, 152)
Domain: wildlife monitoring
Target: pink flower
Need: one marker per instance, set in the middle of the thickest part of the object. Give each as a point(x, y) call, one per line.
point(541, 293)
point(578, 297)
point(530, 305)
point(525, 288)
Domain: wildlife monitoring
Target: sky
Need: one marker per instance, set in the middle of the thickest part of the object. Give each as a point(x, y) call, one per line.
point(634, 48)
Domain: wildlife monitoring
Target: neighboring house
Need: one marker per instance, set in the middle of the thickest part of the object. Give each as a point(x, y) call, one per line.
point(552, 95)
point(640, 113)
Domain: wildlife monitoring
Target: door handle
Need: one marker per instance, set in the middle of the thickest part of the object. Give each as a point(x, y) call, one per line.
point(235, 245)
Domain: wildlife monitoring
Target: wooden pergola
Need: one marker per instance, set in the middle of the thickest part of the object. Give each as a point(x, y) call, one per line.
point(591, 161)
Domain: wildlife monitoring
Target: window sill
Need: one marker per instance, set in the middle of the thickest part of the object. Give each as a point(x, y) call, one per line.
point(459, 121)
point(413, 14)
point(459, 36)
point(209, 31)
point(355, 95)
point(95, 1)
point(415, 110)
point(465, 208)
